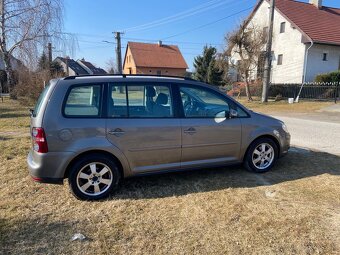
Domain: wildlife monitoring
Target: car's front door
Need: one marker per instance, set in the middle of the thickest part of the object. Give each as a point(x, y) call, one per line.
point(208, 136)
point(141, 124)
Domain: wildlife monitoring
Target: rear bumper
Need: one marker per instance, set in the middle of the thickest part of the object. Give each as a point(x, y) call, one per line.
point(48, 167)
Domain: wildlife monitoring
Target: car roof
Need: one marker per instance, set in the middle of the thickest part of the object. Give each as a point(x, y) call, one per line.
point(132, 76)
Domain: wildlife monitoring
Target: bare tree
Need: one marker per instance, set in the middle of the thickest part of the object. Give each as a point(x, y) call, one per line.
point(111, 66)
point(25, 27)
point(246, 44)
point(222, 63)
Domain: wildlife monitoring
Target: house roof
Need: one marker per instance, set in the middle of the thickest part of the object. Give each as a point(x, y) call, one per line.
point(16, 63)
point(319, 25)
point(95, 70)
point(74, 66)
point(154, 55)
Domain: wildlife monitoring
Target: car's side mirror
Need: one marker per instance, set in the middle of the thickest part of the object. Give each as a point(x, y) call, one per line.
point(233, 113)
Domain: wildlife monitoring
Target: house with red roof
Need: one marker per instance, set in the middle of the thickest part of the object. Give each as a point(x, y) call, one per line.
point(154, 59)
point(306, 39)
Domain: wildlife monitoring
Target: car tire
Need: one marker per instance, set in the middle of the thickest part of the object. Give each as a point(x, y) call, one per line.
point(261, 155)
point(94, 177)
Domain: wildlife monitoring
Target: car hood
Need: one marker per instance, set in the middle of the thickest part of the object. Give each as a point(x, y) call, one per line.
point(265, 118)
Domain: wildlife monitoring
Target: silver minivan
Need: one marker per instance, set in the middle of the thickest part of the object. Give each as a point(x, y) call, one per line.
point(97, 130)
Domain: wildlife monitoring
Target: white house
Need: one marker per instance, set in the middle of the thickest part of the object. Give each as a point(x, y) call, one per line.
point(90, 68)
point(306, 39)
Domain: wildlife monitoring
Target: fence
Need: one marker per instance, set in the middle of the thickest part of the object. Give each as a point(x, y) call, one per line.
point(319, 91)
point(2, 96)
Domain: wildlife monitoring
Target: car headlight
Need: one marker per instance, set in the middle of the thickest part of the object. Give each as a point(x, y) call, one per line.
point(284, 127)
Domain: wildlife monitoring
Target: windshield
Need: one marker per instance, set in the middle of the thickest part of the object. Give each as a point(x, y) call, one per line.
point(40, 100)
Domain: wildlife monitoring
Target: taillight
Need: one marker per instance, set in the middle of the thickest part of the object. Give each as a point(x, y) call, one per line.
point(39, 140)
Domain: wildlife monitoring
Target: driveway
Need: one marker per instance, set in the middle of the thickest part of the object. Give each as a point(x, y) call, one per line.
point(316, 131)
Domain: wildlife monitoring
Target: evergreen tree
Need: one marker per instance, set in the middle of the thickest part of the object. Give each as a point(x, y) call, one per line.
point(43, 63)
point(206, 69)
point(56, 68)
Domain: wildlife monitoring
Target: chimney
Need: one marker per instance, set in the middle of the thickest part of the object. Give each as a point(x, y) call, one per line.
point(160, 43)
point(316, 3)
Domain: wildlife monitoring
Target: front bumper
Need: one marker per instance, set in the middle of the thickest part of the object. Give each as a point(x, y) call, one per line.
point(285, 144)
point(48, 167)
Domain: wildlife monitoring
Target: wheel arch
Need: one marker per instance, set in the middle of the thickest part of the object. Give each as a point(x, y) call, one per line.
point(90, 152)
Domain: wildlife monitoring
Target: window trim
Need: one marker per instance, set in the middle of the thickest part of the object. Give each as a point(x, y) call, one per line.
point(101, 109)
point(137, 83)
point(282, 27)
point(279, 61)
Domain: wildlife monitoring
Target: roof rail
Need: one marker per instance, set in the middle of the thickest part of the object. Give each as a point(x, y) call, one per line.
point(127, 75)
point(72, 77)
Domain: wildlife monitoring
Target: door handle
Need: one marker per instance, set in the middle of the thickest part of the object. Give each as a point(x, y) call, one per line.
point(117, 132)
point(190, 131)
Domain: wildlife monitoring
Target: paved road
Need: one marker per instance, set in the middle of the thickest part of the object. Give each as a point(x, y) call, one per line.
point(314, 133)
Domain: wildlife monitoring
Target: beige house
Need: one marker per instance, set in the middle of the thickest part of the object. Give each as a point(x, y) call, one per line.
point(154, 59)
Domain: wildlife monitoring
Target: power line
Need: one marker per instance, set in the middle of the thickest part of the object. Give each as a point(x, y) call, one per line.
point(152, 40)
point(208, 24)
point(190, 12)
point(176, 42)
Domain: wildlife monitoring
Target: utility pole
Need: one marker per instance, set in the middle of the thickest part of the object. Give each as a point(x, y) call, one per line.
point(49, 48)
point(118, 52)
point(268, 62)
point(67, 65)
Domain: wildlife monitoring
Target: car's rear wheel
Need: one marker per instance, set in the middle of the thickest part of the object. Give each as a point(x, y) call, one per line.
point(94, 177)
point(261, 155)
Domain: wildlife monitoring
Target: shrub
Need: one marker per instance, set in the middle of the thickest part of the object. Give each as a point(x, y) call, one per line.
point(328, 77)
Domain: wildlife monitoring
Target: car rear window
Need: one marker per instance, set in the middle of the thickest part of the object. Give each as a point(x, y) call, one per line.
point(40, 100)
point(83, 101)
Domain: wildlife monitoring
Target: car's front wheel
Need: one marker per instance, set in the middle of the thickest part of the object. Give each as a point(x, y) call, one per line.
point(261, 155)
point(94, 177)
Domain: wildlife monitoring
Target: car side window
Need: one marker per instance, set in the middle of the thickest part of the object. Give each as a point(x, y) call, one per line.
point(83, 101)
point(117, 101)
point(241, 113)
point(202, 102)
point(140, 101)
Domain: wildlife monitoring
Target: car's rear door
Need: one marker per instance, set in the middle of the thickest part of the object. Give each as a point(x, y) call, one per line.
point(142, 124)
point(208, 137)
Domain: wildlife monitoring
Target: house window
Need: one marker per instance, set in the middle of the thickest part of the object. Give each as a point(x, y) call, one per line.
point(282, 27)
point(325, 56)
point(159, 72)
point(279, 59)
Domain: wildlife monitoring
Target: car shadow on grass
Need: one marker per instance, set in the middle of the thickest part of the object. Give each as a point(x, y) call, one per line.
point(298, 164)
point(34, 236)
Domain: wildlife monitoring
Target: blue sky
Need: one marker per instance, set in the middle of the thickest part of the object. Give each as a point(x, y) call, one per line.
point(181, 22)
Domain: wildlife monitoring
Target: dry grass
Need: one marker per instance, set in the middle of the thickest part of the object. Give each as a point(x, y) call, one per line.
point(283, 106)
point(215, 211)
